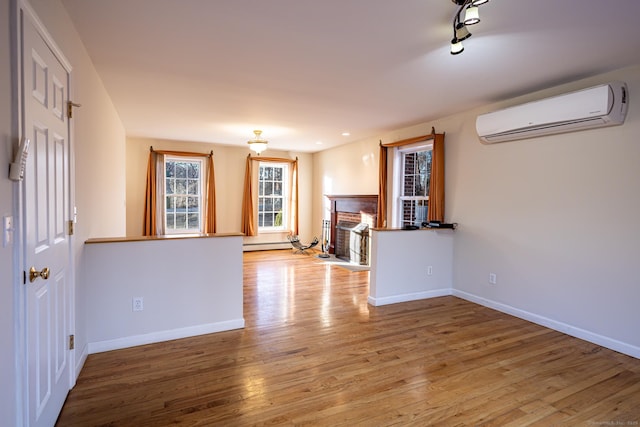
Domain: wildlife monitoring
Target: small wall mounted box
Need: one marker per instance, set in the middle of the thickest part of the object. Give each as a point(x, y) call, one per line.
point(438, 224)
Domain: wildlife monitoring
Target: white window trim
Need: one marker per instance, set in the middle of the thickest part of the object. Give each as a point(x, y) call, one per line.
point(203, 172)
point(285, 197)
point(398, 169)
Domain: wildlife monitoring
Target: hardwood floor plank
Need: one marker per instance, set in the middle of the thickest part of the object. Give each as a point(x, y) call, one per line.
point(313, 352)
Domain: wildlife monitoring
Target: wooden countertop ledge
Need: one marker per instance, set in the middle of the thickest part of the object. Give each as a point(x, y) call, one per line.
point(163, 237)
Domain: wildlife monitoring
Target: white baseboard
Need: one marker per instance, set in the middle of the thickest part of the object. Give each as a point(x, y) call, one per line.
point(191, 331)
point(81, 358)
point(574, 331)
point(394, 299)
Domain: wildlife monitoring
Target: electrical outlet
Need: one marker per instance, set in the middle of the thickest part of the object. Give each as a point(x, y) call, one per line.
point(429, 270)
point(492, 278)
point(138, 304)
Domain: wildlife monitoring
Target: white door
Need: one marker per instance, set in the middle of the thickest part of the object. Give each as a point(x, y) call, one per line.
point(45, 89)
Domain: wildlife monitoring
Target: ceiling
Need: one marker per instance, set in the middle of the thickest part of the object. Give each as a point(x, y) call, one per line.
point(305, 71)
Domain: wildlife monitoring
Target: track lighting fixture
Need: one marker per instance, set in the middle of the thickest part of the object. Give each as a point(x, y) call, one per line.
point(462, 32)
point(471, 17)
point(456, 47)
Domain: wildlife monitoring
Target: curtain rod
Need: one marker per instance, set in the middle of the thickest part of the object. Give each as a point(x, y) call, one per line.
point(272, 159)
point(415, 139)
point(181, 153)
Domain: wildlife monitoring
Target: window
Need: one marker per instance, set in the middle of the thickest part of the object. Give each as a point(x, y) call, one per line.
point(183, 195)
point(270, 199)
point(413, 181)
point(272, 196)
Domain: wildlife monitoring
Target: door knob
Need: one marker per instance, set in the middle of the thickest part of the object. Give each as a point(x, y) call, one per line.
point(34, 274)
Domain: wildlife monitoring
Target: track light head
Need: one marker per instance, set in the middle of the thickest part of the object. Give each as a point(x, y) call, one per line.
point(471, 15)
point(456, 46)
point(462, 32)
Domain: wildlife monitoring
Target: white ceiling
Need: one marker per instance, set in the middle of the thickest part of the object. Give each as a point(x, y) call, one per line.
point(305, 71)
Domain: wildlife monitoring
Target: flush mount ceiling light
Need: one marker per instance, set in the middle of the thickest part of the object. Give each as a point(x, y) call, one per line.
point(471, 17)
point(258, 144)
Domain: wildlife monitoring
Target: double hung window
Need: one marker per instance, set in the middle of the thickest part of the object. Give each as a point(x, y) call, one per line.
point(412, 185)
point(183, 202)
point(273, 192)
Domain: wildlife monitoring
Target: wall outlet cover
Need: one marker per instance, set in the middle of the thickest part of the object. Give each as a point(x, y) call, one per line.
point(138, 304)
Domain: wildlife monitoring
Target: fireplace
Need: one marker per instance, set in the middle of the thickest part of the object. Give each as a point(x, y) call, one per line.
point(343, 236)
point(352, 242)
point(351, 218)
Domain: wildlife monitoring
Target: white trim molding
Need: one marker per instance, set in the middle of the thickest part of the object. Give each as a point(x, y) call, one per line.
point(394, 299)
point(565, 328)
point(173, 334)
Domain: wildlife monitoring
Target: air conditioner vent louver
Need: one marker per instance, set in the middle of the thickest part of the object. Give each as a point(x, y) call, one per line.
point(603, 105)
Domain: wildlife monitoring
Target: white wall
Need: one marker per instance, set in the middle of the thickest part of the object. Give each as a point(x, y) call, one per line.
point(410, 265)
point(8, 397)
point(189, 287)
point(555, 218)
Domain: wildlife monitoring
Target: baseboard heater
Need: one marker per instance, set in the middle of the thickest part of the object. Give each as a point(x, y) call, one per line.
point(267, 243)
point(265, 246)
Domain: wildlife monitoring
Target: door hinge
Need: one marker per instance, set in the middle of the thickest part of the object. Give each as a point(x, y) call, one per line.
point(70, 106)
point(70, 227)
point(72, 342)
point(24, 277)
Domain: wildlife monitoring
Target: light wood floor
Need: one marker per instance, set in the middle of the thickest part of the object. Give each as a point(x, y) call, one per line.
point(314, 353)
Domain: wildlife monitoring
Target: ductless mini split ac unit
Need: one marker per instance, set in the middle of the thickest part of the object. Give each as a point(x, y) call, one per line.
point(598, 106)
